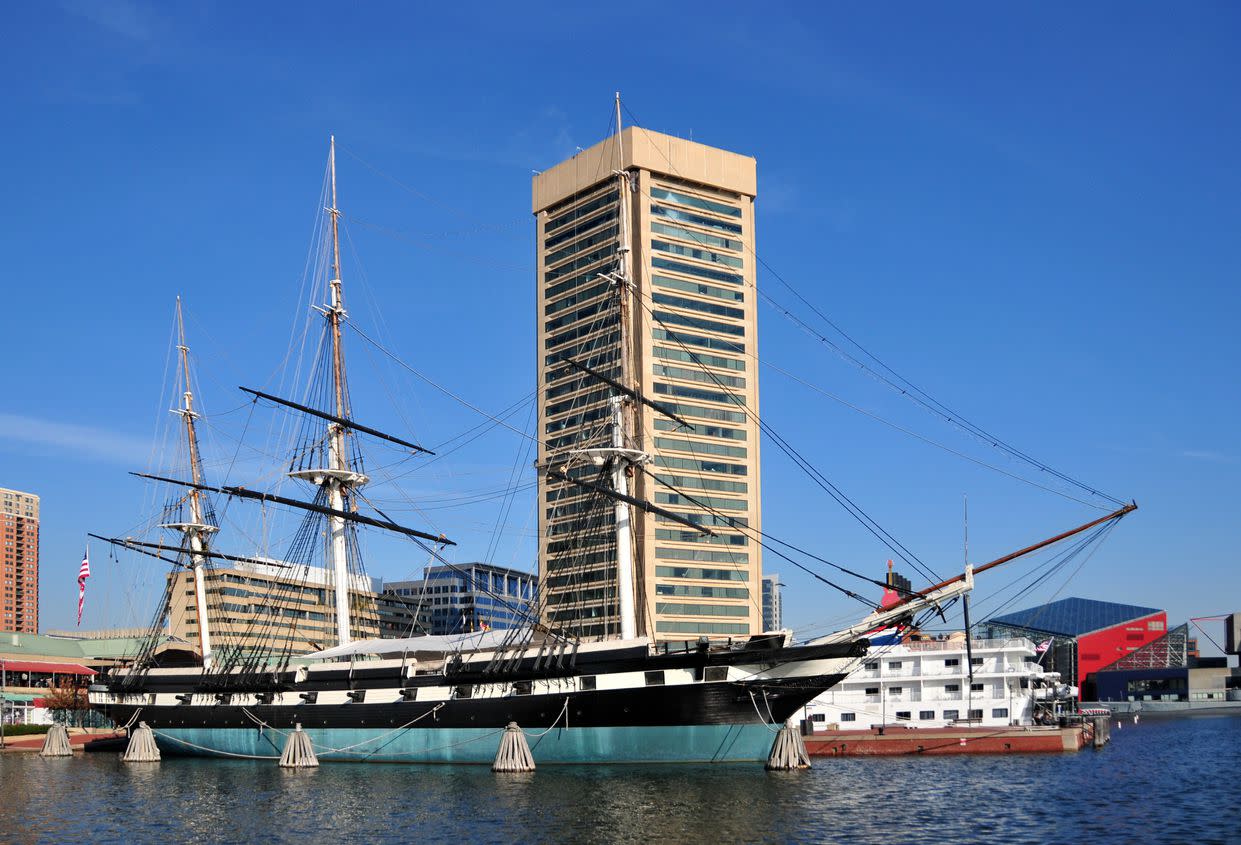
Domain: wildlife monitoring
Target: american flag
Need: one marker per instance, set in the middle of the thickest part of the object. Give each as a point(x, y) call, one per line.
point(83, 574)
point(1043, 646)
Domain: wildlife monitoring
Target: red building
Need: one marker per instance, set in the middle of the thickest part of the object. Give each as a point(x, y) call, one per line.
point(19, 562)
point(1083, 635)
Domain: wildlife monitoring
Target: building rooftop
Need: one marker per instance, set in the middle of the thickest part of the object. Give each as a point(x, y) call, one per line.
point(36, 646)
point(648, 150)
point(1073, 617)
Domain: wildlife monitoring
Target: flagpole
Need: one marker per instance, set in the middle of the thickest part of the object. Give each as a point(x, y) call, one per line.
point(83, 574)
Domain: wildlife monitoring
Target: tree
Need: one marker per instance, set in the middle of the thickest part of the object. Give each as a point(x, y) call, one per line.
point(67, 702)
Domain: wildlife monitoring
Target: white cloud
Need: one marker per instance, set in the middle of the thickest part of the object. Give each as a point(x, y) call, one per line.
point(1208, 455)
point(81, 440)
point(120, 17)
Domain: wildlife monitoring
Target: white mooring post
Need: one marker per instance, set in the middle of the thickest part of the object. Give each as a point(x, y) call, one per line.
point(141, 747)
point(788, 751)
point(514, 752)
point(298, 752)
point(56, 743)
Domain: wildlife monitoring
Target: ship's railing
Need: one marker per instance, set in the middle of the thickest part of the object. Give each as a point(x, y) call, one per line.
point(959, 645)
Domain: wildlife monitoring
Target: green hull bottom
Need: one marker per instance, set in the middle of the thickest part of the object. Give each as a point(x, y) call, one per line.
point(674, 744)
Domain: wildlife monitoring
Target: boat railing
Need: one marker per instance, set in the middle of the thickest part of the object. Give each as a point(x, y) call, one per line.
point(959, 645)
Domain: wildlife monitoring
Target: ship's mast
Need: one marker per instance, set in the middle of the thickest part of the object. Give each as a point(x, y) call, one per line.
point(338, 478)
point(622, 457)
point(196, 530)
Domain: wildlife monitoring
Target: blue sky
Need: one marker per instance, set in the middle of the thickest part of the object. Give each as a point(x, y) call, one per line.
point(1030, 212)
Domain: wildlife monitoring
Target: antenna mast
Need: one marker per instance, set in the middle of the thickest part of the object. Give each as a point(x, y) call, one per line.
point(197, 530)
point(338, 478)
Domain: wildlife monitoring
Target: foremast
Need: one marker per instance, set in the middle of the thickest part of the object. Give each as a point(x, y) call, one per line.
point(338, 478)
point(197, 530)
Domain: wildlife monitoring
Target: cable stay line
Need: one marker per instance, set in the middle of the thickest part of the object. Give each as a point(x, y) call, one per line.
point(309, 506)
point(635, 395)
point(1115, 516)
point(637, 503)
point(895, 546)
point(399, 361)
point(138, 545)
point(759, 537)
point(894, 380)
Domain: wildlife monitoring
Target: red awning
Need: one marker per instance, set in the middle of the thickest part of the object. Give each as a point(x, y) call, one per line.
point(40, 666)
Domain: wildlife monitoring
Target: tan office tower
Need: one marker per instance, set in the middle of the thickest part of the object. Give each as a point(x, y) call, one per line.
point(256, 608)
point(685, 242)
point(19, 567)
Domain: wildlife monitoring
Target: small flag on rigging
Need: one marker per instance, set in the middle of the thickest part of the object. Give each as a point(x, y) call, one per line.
point(1043, 646)
point(83, 574)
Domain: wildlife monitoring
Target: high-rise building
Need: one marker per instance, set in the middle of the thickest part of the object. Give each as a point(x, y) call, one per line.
point(460, 598)
point(772, 614)
point(19, 567)
point(254, 607)
point(685, 339)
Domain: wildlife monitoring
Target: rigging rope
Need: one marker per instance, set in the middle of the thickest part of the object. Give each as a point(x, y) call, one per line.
point(904, 387)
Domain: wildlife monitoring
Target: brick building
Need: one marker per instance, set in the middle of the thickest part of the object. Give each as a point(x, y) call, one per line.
point(19, 564)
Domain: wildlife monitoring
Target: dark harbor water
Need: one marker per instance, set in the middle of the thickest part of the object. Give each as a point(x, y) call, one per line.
point(1169, 780)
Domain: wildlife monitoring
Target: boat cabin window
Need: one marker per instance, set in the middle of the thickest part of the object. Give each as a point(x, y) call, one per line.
point(897, 690)
point(926, 715)
point(655, 678)
point(902, 716)
point(848, 717)
point(976, 714)
point(951, 714)
point(975, 661)
point(818, 717)
point(952, 687)
point(975, 687)
point(523, 687)
point(952, 661)
point(872, 691)
point(1025, 683)
point(894, 664)
point(871, 665)
point(464, 691)
point(716, 673)
point(587, 683)
point(999, 713)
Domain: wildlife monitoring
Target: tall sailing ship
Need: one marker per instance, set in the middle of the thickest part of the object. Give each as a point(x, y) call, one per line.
point(449, 698)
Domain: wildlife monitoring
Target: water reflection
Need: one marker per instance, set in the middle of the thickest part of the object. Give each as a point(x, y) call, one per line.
point(1091, 796)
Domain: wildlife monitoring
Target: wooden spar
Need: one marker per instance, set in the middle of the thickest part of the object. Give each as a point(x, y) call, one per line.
point(639, 503)
point(338, 420)
point(310, 506)
point(1132, 506)
point(338, 305)
point(131, 543)
point(114, 541)
point(632, 394)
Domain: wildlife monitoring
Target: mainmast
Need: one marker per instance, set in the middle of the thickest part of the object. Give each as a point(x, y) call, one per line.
point(197, 529)
point(622, 457)
point(338, 478)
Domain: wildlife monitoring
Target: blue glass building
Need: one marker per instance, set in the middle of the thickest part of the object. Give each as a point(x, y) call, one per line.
point(466, 597)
